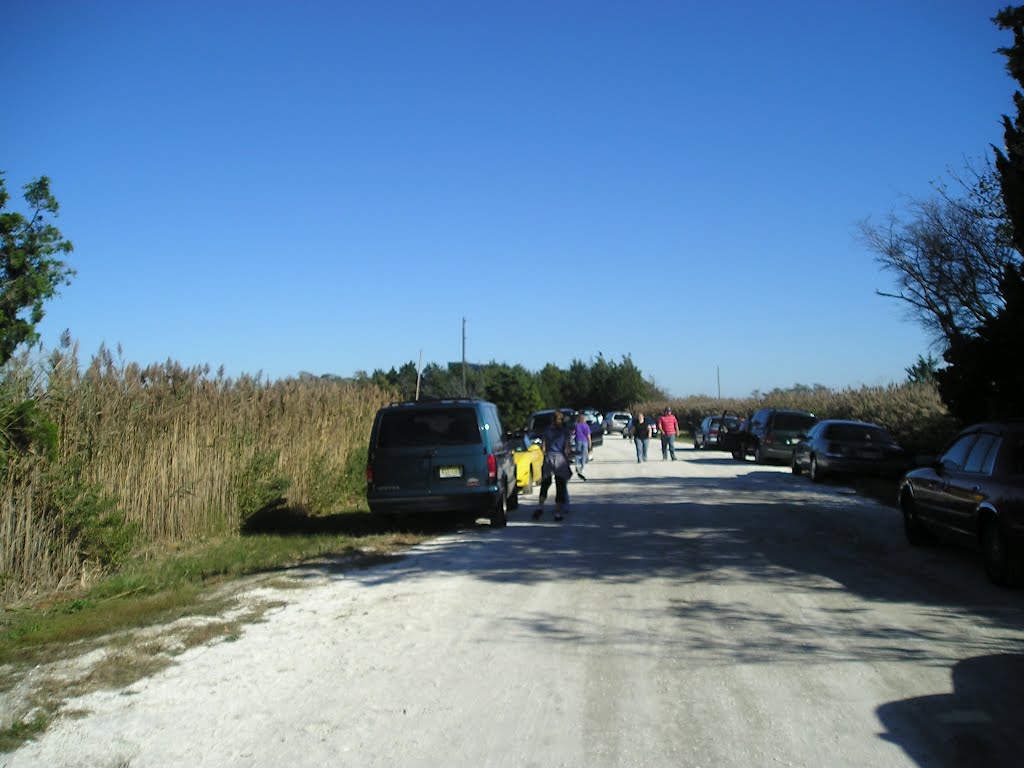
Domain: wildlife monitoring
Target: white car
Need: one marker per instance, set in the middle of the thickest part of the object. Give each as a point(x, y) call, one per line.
point(616, 421)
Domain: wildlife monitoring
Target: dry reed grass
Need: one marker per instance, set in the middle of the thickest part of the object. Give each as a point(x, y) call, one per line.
point(913, 412)
point(169, 443)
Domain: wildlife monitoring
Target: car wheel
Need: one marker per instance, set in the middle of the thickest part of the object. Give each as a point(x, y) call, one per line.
point(813, 472)
point(1002, 564)
point(794, 466)
point(499, 515)
point(915, 532)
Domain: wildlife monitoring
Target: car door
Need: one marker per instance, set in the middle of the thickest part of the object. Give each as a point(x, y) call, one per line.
point(404, 452)
point(963, 490)
point(802, 450)
point(931, 489)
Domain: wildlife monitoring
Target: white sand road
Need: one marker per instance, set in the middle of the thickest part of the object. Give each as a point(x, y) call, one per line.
point(701, 612)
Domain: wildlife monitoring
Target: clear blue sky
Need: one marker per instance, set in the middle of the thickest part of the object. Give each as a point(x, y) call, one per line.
point(333, 186)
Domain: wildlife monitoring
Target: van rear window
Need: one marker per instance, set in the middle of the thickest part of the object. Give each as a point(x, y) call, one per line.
point(448, 426)
point(795, 421)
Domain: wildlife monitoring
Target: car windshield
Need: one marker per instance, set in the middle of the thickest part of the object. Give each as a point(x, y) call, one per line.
point(409, 428)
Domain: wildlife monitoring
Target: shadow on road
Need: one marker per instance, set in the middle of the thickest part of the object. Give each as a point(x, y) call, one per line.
point(978, 724)
point(760, 568)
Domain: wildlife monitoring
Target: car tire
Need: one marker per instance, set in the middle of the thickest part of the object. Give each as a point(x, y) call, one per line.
point(915, 532)
point(499, 514)
point(1002, 564)
point(794, 466)
point(813, 472)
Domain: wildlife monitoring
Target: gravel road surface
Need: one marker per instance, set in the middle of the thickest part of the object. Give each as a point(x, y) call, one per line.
point(702, 612)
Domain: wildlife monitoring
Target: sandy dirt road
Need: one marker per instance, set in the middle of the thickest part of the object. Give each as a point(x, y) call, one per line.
point(701, 612)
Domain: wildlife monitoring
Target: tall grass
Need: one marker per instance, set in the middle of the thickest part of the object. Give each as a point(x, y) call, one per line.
point(165, 453)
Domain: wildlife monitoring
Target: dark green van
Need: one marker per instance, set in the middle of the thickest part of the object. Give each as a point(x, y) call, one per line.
point(441, 456)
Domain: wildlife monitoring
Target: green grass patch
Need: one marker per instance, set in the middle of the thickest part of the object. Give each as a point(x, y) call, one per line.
point(17, 734)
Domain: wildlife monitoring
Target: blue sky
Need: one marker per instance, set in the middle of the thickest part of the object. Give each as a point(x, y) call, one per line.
point(333, 186)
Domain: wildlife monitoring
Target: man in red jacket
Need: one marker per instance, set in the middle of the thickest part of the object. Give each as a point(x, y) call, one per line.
point(667, 428)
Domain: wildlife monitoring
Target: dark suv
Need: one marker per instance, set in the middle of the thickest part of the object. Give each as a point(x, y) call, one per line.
point(541, 420)
point(441, 456)
point(771, 434)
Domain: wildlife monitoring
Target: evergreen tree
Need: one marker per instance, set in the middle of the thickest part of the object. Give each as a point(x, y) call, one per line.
point(30, 265)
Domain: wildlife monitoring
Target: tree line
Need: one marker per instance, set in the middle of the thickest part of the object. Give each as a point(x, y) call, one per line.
point(601, 383)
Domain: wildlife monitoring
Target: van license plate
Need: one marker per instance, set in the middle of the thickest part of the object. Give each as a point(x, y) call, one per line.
point(449, 472)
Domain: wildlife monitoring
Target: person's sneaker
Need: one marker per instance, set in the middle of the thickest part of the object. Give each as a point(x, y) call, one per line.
point(558, 517)
point(537, 514)
point(581, 476)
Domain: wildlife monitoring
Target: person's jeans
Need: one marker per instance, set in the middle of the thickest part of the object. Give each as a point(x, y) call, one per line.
point(641, 447)
point(581, 458)
point(668, 445)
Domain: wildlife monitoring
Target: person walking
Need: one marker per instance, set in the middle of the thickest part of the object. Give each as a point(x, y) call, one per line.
point(584, 445)
point(641, 432)
point(555, 445)
point(668, 426)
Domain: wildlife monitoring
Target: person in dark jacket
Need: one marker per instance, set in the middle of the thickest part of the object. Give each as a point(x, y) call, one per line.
point(555, 445)
point(641, 432)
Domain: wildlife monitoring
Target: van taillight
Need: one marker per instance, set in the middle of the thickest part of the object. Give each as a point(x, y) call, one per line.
point(492, 468)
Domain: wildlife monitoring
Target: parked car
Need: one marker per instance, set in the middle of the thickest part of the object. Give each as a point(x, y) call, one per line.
point(595, 420)
point(709, 432)
point(733, 440)
point(835, 446)
point(541, 420)
point(973, 493)
point(529, 461)
point(616, 421)
point(441, 456)
point(771, 435)
point(650, 420)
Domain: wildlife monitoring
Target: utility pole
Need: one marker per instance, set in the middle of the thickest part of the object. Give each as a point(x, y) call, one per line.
point(463, 356)
point(419, 373)
point(718, 376)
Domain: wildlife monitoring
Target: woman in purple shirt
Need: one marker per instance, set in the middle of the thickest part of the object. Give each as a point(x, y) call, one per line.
point(584, 444)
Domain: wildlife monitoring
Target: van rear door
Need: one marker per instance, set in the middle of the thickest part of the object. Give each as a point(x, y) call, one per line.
point(427, 450)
